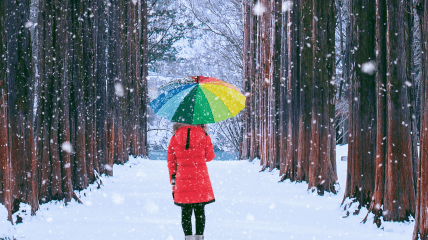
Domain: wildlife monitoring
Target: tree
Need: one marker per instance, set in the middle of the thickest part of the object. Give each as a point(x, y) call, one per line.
point(19, 105)
point(166, 26)
point(343, 38)
point(5, 196)
point(421, 229)
point(113, 71)
point(306, 89)
point(394, 195)
point(5, 193)
point(248, 83)
point(69, 96)
point(290, 110)
point(221, 21)
point(53, 71)
point(263, 92)
point(288, 68)
point(101, 88)
point(322, 157)
point(362, 110)
point(310, 97)
point(413, 85)
point(143, 98)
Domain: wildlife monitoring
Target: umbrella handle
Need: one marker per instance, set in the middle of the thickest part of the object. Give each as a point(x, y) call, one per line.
point(197, 79)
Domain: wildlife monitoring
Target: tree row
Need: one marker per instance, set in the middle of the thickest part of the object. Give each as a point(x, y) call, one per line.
point(290, 80)
point(77, 106)
point(289, 67)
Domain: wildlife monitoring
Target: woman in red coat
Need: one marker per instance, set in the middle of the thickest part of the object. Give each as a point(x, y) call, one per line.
point(189, 150)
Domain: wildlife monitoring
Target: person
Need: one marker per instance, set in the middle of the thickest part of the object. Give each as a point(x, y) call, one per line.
point(189, 150)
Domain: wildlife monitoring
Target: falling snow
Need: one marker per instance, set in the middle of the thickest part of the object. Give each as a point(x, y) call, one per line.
point(287, 6)
point(369, 68)
point(118, 88)
point(259, 9)
point(28, 24)
point(66, 146)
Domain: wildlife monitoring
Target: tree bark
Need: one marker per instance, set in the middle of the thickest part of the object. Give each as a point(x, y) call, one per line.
point(283, 104)
point(248, 61)
point(113, 66)
point(307, 40)
point(5, 196)
point(322, 157)
point(101, 88)
point(78, 91)
point(5, 188)
point(394, 196)
point(421, 219)
point(67, 184)
point(290, 170)
point(20, 87)
point(144, 74)
point(413, 90)
point(362, 110)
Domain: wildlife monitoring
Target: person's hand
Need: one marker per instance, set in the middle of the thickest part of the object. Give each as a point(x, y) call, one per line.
point(173, 179)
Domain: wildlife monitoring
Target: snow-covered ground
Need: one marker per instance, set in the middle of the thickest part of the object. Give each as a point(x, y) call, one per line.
point(137, 204)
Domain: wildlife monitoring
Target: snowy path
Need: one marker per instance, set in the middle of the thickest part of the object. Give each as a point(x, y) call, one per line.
point(137, 204)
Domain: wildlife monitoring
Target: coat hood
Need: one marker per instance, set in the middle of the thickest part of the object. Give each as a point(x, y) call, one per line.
point(196, 135)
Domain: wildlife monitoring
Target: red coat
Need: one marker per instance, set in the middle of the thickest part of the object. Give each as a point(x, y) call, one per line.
point(192, 184)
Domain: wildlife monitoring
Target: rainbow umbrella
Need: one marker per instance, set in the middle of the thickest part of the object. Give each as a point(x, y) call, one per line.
point(198, 100)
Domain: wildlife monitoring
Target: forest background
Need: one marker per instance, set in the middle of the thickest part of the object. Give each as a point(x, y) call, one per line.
point(76, 77)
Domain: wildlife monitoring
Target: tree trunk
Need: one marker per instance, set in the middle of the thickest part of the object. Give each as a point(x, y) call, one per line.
point(307, 40)
point(89, 36)
point(5, 187)
point(412, 93)
point(322, 158)
point(362, 110)
point(248, 62)
point(265, 37)
point(67, 184)
point(283, 106)
point(290, 170)
point(113, 66)
point(101, 98)
point(53, 101)
point(346, 63)
point(20, 101)
point(421, 219)
point(144, 74)
point(79, 113)
point(394, 196)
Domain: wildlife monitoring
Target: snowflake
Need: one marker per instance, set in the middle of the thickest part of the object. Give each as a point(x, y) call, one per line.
point(368, 68)
point(287, 6)
point(66, 147)
point(259, 9)
point(118, 88)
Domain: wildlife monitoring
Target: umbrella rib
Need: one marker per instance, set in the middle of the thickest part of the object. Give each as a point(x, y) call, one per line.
point(198, 100)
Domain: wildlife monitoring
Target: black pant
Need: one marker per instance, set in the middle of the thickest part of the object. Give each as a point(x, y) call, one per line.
point(186, 219)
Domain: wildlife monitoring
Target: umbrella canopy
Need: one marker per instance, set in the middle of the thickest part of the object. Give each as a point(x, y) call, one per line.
point(198, 100)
